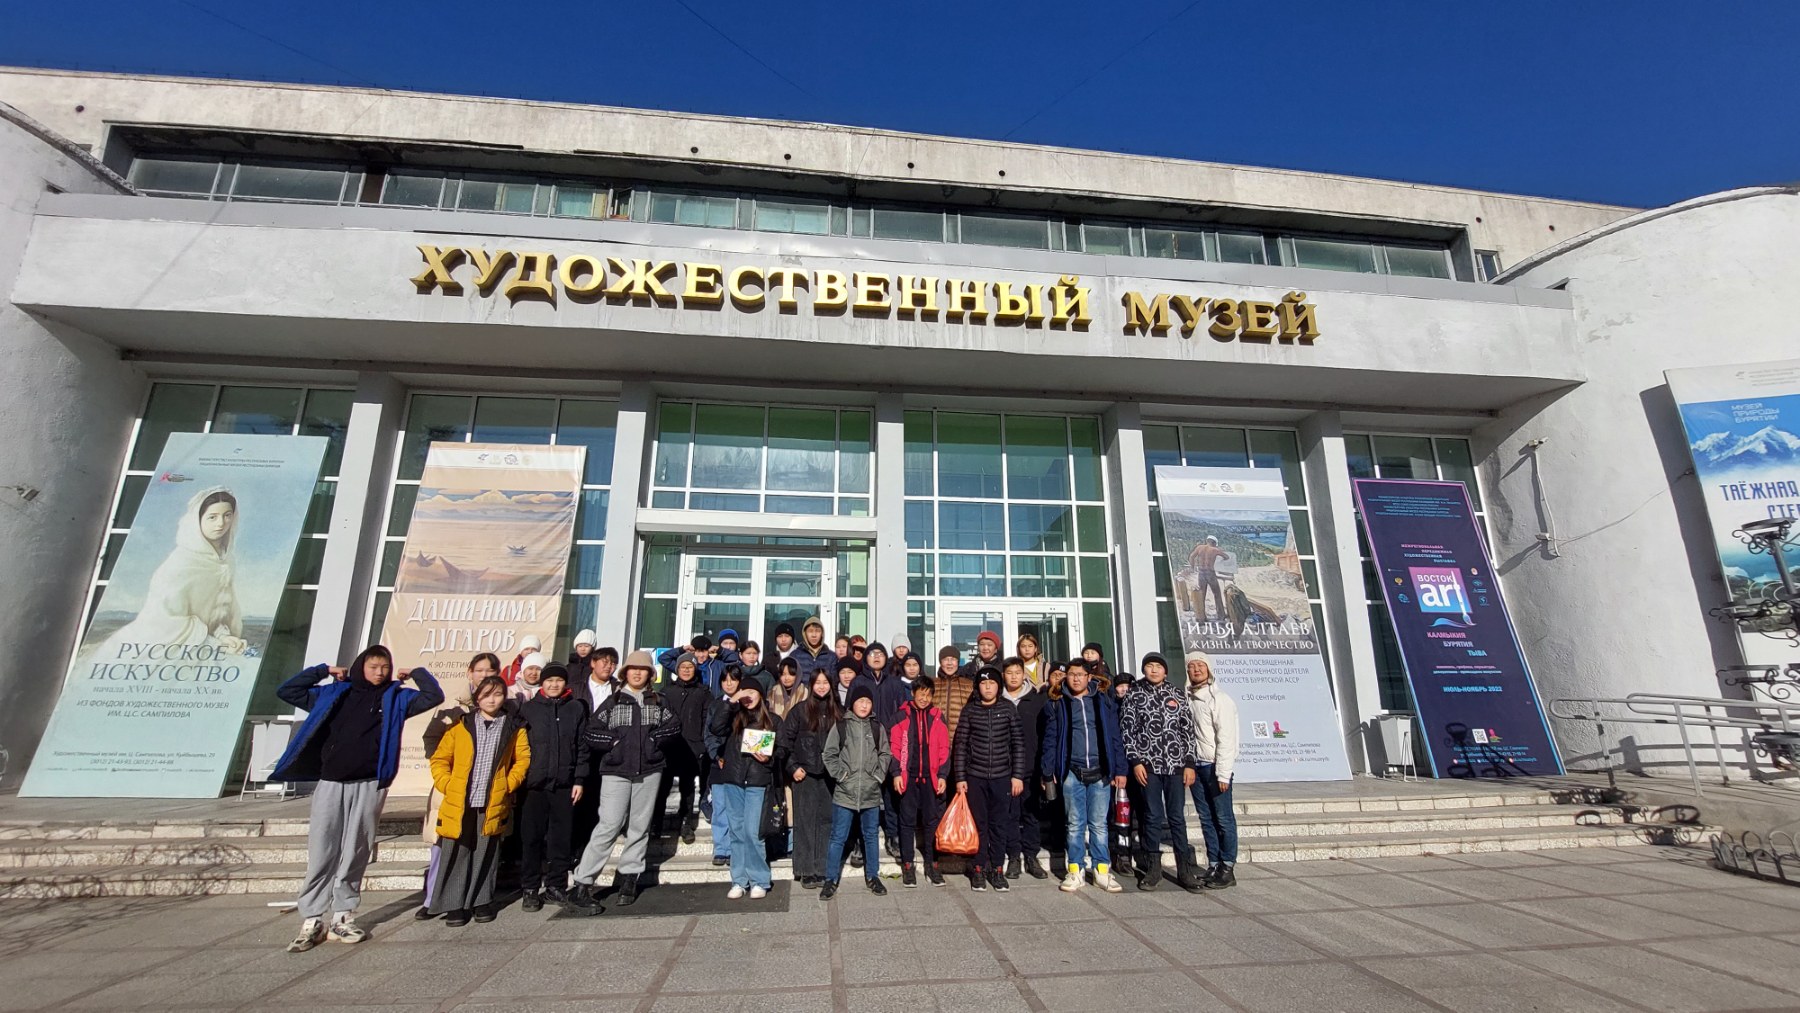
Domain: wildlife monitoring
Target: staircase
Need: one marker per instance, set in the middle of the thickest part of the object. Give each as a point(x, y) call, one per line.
point(227, 851)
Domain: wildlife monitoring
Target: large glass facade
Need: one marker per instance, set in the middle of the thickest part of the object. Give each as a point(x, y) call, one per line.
point(465, 418)
point(239, 408)
point(760, 459)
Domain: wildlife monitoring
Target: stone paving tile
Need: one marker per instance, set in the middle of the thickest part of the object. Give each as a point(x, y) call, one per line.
point(808, 918)
point(1307, 870)
point(1754, 958)
point(624, 1004)
point(1292, 895)
point(1694, 876)
point(988, 997)
point(767, 961)
point(1385, 890)
point(1488, 983)
point(1304, 988)
point(610, 926)
point(1210, 942)
point(1611, 918)
point(1071, 946)
point(1034, 903)
point(921, 907)
point(572, 968)
point(1492, 884)
point(391, 972)
point(1502, 859)
point(1409, 863)
point(1721, 909)
point(1362, 934)
point(1153, 992)
point(42, 992)
point(201, 979)
point(917, 954)
point(1653, 980)
point(785, 1002)
point(1489, 925)
point(1590, 879)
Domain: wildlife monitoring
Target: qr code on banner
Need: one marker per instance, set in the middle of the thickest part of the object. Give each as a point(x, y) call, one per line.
point(1260, 730)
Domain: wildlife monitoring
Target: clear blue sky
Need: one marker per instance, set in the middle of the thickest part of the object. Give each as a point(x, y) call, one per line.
point(1639, 103)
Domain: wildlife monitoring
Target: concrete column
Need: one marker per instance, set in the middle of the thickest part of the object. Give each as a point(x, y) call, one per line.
point(1327, 469)
point(1134, 567)
point(358, 521)
point(619, 570)
point(887, 613)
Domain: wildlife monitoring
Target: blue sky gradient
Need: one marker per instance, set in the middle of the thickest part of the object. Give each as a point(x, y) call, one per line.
point(1640, 104)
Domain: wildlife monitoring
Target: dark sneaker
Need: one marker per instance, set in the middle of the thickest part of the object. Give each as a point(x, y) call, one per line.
point(485, 913)
point(1034, 868)
point(998, 882)
point(457, 919)
point(423, 914)
point(555, 895)
point(932, 874)
point(1012, 868)
point(1150, 880)
point(977, 881)
point(533, 901)
point(893, 847)
point(719, 860)
point(856, 860)
point(1224, 880)
point(908, 877)
point(876, 886)
point(829, 890)
point(811, 882)
point(688, 826)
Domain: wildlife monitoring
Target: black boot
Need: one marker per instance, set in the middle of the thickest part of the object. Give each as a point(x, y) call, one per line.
point(1150, 875)
point(627, 882)
point(1224, 878)
point(1012, 868)
point(1035, 868)
point(1187, 873)
point(581, 901)
point(555, 894)
point(533, 901)
point(689, 824)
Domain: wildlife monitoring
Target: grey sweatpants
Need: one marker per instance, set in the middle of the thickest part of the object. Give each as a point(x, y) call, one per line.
point(625, 809)
point(340, 839)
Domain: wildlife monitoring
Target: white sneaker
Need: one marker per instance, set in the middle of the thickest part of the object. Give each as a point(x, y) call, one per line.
point(1104, 880)
point(737, 893)
point(344, 930)
point(312, 933)
point(758, 893)
point(1071, 882)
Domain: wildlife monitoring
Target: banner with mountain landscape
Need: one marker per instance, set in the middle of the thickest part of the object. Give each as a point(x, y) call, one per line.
point(1743, 429)
point(1241, 597)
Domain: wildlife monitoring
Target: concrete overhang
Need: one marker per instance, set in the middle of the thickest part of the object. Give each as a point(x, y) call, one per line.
point(326, 287)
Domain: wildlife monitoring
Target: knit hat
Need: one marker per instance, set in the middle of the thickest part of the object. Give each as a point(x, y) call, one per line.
point(989, 635)
point(878, 646)
point(687, 656)
point(1093, 645)
point(901, 641)
point(554, 672)
point(987, 672)
point(1152, 656)
point(702, 642)
point(640, 659)
point(850, 663)
point(1199, 656)
point(530, 643)
point(787, 628)
point(860, 691)
point(533, 660)
point(587, 637)
point(725, 635)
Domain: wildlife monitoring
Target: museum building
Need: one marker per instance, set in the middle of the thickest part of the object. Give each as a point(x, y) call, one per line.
point(914, 385)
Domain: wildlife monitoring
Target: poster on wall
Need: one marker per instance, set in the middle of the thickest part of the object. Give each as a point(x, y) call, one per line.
point(1478, 710)
point(1241, 596)
point(484, 565)
point(155, 697)
point(1743, 430)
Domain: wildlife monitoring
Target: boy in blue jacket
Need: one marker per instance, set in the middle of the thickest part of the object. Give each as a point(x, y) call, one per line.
point(1084, 754)
point(350, 744)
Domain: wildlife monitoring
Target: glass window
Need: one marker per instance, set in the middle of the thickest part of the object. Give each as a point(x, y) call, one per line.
point(1213, 447)
point(1457, 464)
point(969, 458)
point(789, 216)
point(267, 410)
point(514, 419)
point(514, 196)
point(971, 526)
point(920, 462)
point(995, 230)
point(1415, 262)
point(1333, 255)
point(1175, 244)
point(1162, 446)
point(573, 200)
point(1405, 457)
point(289, 182)
point(919, 525)
point(857, 445)
point(1042, 577)
point(1487, 264)
point(173, 408)
point(193, 176)
point(594, 425)
point(674, 437)
point(1280, 448)
point(1242, 248)
point(728, 445)
point(432, 418)
point(328, 415)
point(889, 223)
point(1037, 457)
point(1361, 456)
point(1038, 527)
point(803, 450)
point(1112, 239)
point(971, 576)
point(1086, 456)
point(692, 209)
point(413, 189)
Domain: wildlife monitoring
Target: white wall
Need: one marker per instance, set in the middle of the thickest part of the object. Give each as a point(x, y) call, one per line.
point(1622, 607)
point(65, 418)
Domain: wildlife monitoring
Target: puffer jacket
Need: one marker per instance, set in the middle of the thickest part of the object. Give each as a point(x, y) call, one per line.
point(809, 662)
point(990, 743)
point(916, 729)
point(452, 769)
point(557, 731)
point(690, 701)
point(1215, 728)
point(954, 692)
point(731, 764)
point(1158, 727)
point(857, 759)
point(626, 737)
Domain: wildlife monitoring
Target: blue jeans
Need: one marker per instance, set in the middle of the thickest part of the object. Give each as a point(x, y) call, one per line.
point(1218, 824)
point(721, 820)
point(741, 809)
point(1166, 822)
point(841, 818)
point(1086, 807)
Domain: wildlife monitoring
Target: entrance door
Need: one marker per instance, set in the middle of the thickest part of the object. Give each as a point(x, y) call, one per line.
point(752, 594)
point(1056, 624)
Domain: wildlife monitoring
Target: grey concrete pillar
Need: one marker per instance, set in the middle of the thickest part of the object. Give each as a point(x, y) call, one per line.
point(358, 520)
point(1333, 507)
point(1134, 597)
point(888, 595)
point(619, 570)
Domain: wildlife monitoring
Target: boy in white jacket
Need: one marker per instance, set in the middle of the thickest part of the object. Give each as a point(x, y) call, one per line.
point(1216, 748)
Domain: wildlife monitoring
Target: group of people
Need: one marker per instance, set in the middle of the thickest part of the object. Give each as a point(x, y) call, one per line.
point(830, 754)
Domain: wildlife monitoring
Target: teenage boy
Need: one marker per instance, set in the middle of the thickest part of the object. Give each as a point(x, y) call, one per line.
point(785, 644)
point(812, 653)
point(750, 660)
point(688, 772)
point(626, 740)
point(1084, 754)
point(1216, 750)
point(920, 743)
point(988, 755)
point(556, 730)
point(953, 687)
point(593, 683)
point(1159, 744)
point(1029, 700)
point(857, 758)
point(350, 744)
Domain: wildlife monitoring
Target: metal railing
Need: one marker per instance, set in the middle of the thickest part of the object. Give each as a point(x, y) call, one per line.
point(1766, 726)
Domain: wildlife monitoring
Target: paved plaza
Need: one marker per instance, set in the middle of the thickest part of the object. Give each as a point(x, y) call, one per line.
point(1641, 928)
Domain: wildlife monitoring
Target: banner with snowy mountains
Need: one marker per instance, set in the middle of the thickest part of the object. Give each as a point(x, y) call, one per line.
point(1743, 429)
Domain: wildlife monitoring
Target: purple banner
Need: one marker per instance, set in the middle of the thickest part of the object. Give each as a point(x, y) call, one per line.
point(1478, 711)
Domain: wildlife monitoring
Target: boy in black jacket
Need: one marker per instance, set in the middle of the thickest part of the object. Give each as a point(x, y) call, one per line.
point(988, 755)
point(1033, 807)
point(688, 771)
point(556, 728)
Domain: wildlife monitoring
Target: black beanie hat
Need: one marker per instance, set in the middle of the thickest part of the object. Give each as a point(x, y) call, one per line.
point(851, 663)
point(787, 628)
point(1153, 656)
point(948, 651)
point(1093, 645)
point(859, 691)
point(987, 672)
point(554, 672)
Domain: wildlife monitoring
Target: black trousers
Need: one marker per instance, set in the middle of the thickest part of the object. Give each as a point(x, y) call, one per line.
point(890, 810)
point(996, 814)
point(1031, 808)
point(811, 820)
point(587, 815)
point(918, 817)
point(687, 777)
point(546, 821)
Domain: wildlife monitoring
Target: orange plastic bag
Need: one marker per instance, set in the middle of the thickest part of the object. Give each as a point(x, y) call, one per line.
point(956, 831)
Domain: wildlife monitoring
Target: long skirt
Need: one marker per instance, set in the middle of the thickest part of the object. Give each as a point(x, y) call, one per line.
point(467, 867)
point(811, 819)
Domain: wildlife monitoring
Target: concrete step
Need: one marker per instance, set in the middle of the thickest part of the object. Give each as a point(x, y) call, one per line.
point(1398, 801)
point(1393, 845)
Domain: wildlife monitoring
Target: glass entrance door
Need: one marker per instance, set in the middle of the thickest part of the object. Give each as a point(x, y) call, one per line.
point(752, 594)
point(1056, 624)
